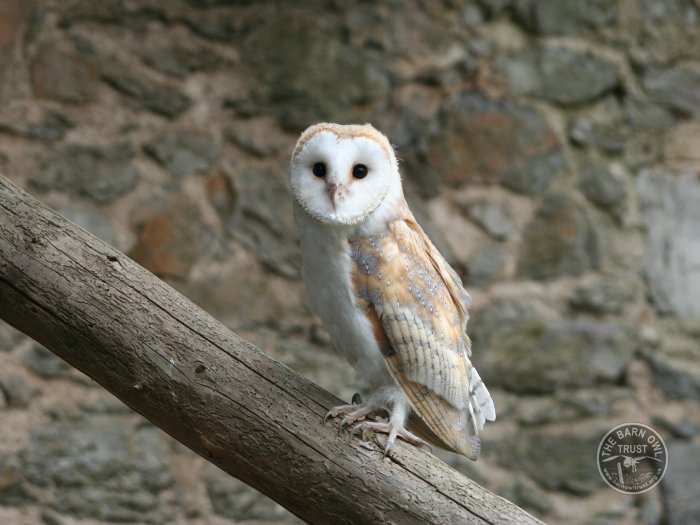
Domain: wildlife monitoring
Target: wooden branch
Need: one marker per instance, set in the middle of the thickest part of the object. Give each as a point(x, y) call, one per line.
point(209, 389)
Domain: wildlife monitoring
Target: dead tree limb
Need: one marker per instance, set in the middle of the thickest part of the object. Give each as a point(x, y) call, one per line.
point(209, 389)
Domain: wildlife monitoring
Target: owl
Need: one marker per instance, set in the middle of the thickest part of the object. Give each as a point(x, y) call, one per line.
point(391, 303)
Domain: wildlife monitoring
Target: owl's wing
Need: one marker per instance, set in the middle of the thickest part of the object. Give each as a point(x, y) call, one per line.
point(419, 311)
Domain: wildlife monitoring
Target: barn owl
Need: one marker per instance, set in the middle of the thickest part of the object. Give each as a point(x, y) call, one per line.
point(390, 302)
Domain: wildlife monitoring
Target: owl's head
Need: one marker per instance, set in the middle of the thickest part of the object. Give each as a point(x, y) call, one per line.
point(343, 174)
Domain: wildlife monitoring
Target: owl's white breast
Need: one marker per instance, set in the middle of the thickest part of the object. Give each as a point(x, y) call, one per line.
point(326, 269)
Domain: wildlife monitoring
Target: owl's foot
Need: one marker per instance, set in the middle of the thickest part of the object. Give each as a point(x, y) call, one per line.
point(354, 413)
point(393, 429)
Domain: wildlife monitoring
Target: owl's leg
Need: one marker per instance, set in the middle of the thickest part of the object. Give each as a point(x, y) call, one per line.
point(393, 428)
point(354, 413)
point(387, 402)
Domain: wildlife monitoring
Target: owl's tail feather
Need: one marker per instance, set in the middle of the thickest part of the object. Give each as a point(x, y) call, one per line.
point(479, 403)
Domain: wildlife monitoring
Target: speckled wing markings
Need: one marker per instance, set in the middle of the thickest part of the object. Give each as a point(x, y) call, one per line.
point(419, 311)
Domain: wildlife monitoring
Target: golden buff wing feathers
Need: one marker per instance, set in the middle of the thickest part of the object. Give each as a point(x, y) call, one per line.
point(419, 310)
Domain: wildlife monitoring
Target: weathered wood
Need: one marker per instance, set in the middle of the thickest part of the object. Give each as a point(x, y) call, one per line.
point(209, 389)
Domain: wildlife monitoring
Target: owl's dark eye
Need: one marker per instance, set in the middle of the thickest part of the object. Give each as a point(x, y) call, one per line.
point(319, 169)
point(359, 171)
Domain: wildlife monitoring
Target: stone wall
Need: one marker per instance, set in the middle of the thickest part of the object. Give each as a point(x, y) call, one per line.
point(551, 148)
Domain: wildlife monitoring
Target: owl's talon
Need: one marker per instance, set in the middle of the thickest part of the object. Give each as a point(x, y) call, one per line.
point(393, 430)
point(356, 399)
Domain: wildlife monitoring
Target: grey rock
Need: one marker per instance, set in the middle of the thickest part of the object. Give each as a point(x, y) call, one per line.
point(237, 501)
point(181, 61)
point(610, 139)
point(213, 26)
point(566, 17)
point(45, 364)
point(497, 141)
point(643, 149)
point(16, 391)
point(154, 96)
point(604, 185)
point(90, 218)
point(680, 429)
point(306, 74)
point(485, 265)
point(559, 353)
point(66, 77)
point(529, 496)
point(670, 30)
point(492, 217)
point(573, 405)
point(257, 140)
point(12, 489)
point(677, 88)
point(644, 114)
point(101, 173)
point(602, 295)
point(184, 152)
point(52, 127)
point(670, 205)
point(560, 240)
point(262, 221)
point(557, 461)
point(96, 468)
point(677, 378)
point(9, 337)
point(680, 486)
point(562, 75)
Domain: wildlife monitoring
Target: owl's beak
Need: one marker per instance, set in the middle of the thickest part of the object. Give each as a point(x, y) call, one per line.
point(336, 192)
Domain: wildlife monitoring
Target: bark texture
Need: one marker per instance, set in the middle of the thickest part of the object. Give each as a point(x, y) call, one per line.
point(209, 389)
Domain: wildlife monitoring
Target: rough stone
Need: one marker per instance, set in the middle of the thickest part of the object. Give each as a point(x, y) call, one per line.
point(562, 75)
point(610, 139)
point(529, 496)
point(525, 351)
point(262, 221)
point(154, 96)
point(94, 468)
point(677, 88)
point(12, 489)
point(604, 185)
point(258, 137)
point(236, 501)
point(494, 141)
point(560, 240)
point(669, 30)
point(492, 217)
point(64, 76)
point(676, 377)
point(485, 265)
point(305, 74)
point(46, 364)
point(90, 218)
point(555, 460)
point(679, 487)
point(605, 295)
point(171, 238)
point(670, 205)
point(213, 26)
point(566, 17)
point(180, 61)
point(184, 152)
point(13, 17)
point(101, 173)
point(52, 127)
point(16, 391)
